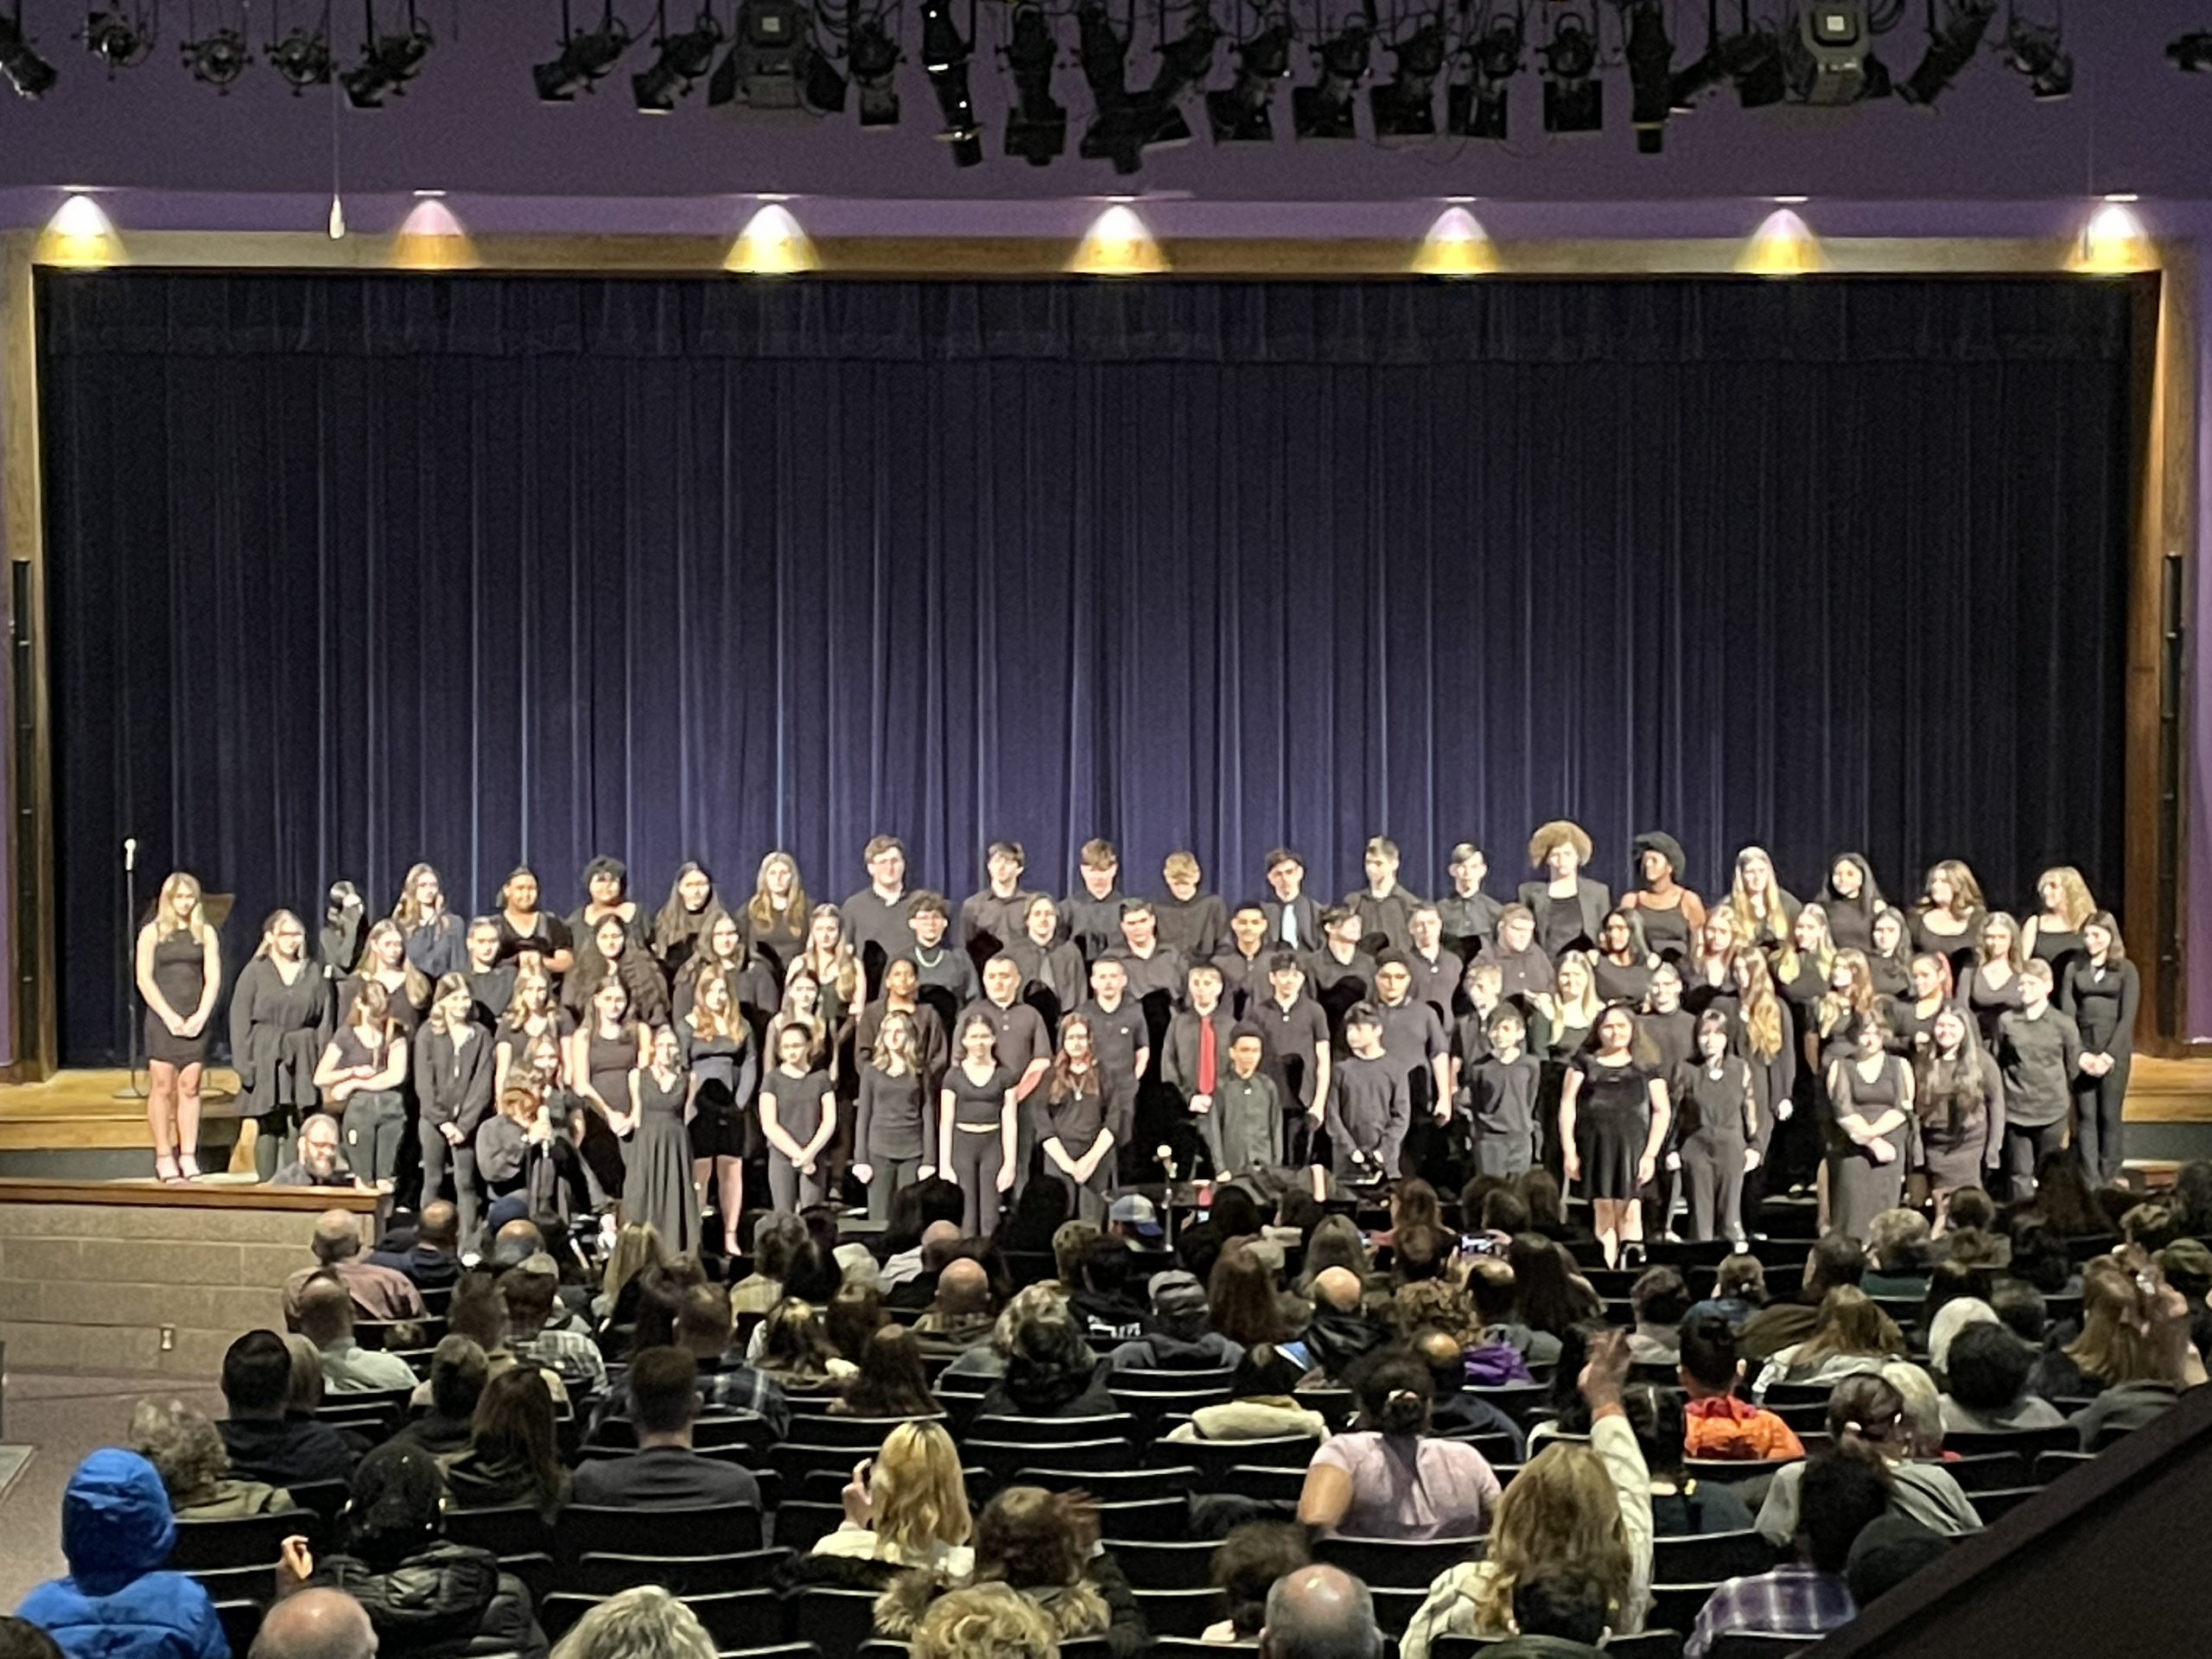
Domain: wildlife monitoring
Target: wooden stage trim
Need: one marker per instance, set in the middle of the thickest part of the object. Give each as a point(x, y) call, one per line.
point(210, 1195)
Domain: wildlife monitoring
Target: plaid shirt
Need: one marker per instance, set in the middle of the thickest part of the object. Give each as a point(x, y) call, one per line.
point(1793, 1600)
point(571, 1353)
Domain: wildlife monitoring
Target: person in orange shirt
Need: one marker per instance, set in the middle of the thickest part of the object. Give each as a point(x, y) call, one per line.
point(1719, 1425)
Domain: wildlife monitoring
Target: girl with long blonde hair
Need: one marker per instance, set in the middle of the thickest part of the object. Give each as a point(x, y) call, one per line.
point(1948, 917)
point(178, 968)
point(2054, 932)
point(1708, 974)
point(724, 1070)
point(894, 1129)
point(908, 1506)
point(384, 963)
point(1571, 1007)
point(776, 915)
point(278, 1011)
point(1764, 913)
point(436, 939)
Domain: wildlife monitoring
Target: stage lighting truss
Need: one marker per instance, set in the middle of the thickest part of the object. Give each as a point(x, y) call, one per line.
point(390, 58)
point(1243, 112)
point(300, 56)
point(1956, 29)
point(218, 55)
point(1829, 53)
point(122, 36)
point(679, 63)
point(1575, 97)
point(1477, 104)
point(1323, 109)
point(586, 57)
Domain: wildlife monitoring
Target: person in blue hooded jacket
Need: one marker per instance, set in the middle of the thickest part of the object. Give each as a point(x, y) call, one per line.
point(120, 1600)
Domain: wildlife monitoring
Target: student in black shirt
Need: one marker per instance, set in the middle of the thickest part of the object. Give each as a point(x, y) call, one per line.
point(1191, 921)
point(1369, 1106)
point(1196, 1057)
point(1468, 915)
point(1122, 1040)
point(1297, 1056)
point(1568, 906)
point(1340, 973)
point(2102, 993)
point(1294, 917)
point(1023, 1044)
point(1853, 899)
point(680, 927)
point(1154, 967)
point(524, 928)
point(1525, 973)
point(1050, 967)
point(606, 893)
point(1385, 909)
point(2038, 1055)
point(491, 979)
point(1243, 960)
point(1244, 1130)
point(1412, 1037)
point(1073, 1128)
point(895, 1133)
point(990, 919)
point(776, 917)
point(875, 917)
point(1499, 1095)
point(1436, 971)
point(949, 982)
point(1090, 916)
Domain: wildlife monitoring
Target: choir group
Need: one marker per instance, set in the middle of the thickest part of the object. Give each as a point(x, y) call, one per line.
point(1671, 1054)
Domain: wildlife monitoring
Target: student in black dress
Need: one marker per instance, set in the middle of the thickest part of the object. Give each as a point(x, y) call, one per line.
point(1761, 1034)
point(1295, 1032)
point(1870, 1114)
point(1437, 971)
point(432, 933)
point(607, 1046)
point(2102, 993)
point(721, 1059)
point(1889, 953)
point(613, 954)
point(385, 964)
point(1622, 964)
point(1072, 1128)
point(1369, 1107)
point(491, 979)
point(1524, 972)
point(1613, 1117)
point(361, 1074)
point(1499, 1094)
point(799, 1118)
point(1709, 976)
point(1764, 913)
point(680, 928)
point(2054, 932)
point(720, 953)
point(1340, 974)
point(1243, 960)
point(977, 1135)
point(280, 1021)
point(2039, 1056)
point(875, 917)
point(1853, 899)
point(532, 1014)
point(1959, 1101)
point(1803, 970)
point(1912, 1016)
point(1569, 907)
point(1022, 1044)
point(180, 975)
point(895, 1132)
point(1384, 908)
point(1051, 968)
point(1718, 1136)
point(1948, 916)
point(1191, 920)
point(656, 1186)
point(775, 918)
point(338, 947)
point(1668, 913)
point(990, 919)
point(949, 982)
point(526, 929)
point(454, 1073)
point(1849, 1004)
point(1293, 915)
point(606, 893)
point(1468, 914)
point(1991, 985)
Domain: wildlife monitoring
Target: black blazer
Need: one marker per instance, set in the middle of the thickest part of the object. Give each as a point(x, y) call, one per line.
point(1592, 899)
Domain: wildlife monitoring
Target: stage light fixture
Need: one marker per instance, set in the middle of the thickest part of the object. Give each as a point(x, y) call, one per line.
point(1951, 47)
point(679, 61)
point(217, 57)
point(1755, 65)
point(388, 62)
point(1243, 114)
point(1574, 98)
point(771, 63)
point(31, 75)
point(120, 38)
point(1324, 110)
point(1651, 74)
point(1829, 58)
point(874, 57)
point(1127, 125)
point(2192, 53)
point(1478, 103)
point(1037, 125)
point(301, 58)
point(1404, 107)
point(585, 59)
point(946, 54)
point(2039, 51)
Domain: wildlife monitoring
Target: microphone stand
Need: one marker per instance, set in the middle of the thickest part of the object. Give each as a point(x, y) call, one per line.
point(132, 1090)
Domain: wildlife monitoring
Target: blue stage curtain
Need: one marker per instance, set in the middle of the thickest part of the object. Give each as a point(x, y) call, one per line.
point(349, 571)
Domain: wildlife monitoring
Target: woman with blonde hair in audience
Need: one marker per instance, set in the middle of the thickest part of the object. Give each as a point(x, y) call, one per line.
point(904, 1507)
point(1850, 1334)
point(637, 1246)
point(644, 1622)
point(1043, 1545)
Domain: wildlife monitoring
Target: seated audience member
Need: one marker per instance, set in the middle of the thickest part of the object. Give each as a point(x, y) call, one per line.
point(960, 1315)
point(1540, 1190)
point(1897, 1254)
point(664, 1472)
point(1245, 1567)
point(776, 1238)
point(644, 1622)
point(318, 1160)
point(188, 1453)
point(1045, 1545)
point(892, 1381)
point(1867, 1420)
point(1051, 1371)
point(1849, 1334)
point(1451, 1409)
point(1834, 1262)
point(427, 1596)
point(1104, 1308)
point(905, 1508)
point(1567, 1413)
point(2187, 1265)
point(1889, 1550)
point(1559, 1616)
point(1386, 1479)
point(1843, 1495)
point(1243, 1305)
point(987, 1358)
point(986, 1621)
point(1548, 1295)
point(263, 1442)
point(310, 1624)
point(531, 1290)
point(1739, 1291)
point(1320, 1612)
point(119, 1599)
point(512, 1455)
point(1943, 1329)
point(1503, 1347)
point(1336, 1243)
point(853, 1316)
point(1923, 1408)
point(1658, 1301)
point(2020, 1308)
point(792, 1351)
point(1986, 1367)
point(1181, 1339)
point(479, 1313)
point(378, 1292)
point(1721, 1426)
point(434, 1262)
point(2148, 1361)
point(941, 1246)
point(326, 1318)
point(1572, 1508)
point(703, 1329)
point(914, 1210)
point(1135, 1219)
point(1953, 1280)
point(1681, 1507)
point(1343, 1330)
point(459, 1371)
point(1070, 1243)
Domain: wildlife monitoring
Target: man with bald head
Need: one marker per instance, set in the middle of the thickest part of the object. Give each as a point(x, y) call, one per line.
point(435, 1262)
point(315, 1625)
point(1341, 1331)
point(1319, 1613)
point(326, 1318)
point(940, 1243)
point(962, 1315)
point(378, 1292)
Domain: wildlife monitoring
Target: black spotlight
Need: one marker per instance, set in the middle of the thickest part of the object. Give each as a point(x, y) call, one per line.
point(874, 57)
point(1478, 103)
point(1242, 113)
point(388, 61)
point(1828, 58)
point(2036, 51)
point(1756, 64)
point(29, 73)
point(1574, 98)
point(1951, 47)
point(301, 60)
point(2192, 53)
point(1128, 123)
point(1651, 74)
point(769, 58)
point(678, 61)
point(1324, 110)
point(119, 39)
point(1037, 126)
point(219, 58)
point(1405, 105)
point(585, 58)
point(945, 52)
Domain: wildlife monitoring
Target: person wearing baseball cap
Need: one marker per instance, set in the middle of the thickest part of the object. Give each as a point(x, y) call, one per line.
point(1134, 1216)
point(1180, 1339)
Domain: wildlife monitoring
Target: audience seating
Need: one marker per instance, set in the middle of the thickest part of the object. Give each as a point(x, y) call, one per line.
point(1709, 1556)
point(1262, 1484)
point(1799, 1394)
point(599, 1574)
point(836, 1620)
point(801, 1524)
point(321, 1498)
point(710, 1431)
point(1994, 1507)
point(1676, 1606)
point(1758, 1644)
point(1052, 1431)
point(510, 1530)
point(1988, 1471)
point(1395, 1608)
point(733, 1618)
point(239, 1541)
point(1002, 1459)
point(1167, 1565)
point(1807, 1417)
point(2056, 1464)
point(1337, 1407)
point(1180, 1613)
point(1145, 1519)
point(1496, 1448)
point(241, 1624)
point(416, 1333)
point(255, 1581)
point(1213, 1459)
point(1735, 1469)
point(863, 1433)
point(1189, 1647)
point(1108, 1485)
point(1519, 1400)
point(1137, 1381)
point(2028, 1442)
point(586, 1529)
point(1645, 1644)
point(1396, 1562)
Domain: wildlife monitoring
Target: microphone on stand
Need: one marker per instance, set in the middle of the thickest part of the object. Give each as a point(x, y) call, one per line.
point(131, 1090)
point(130, 854)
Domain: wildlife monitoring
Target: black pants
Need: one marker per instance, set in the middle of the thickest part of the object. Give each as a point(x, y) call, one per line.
point(2098, 1132)
point(2026, 1146)
point(1087, 1200)
point(890, 1174)
point(976, 1160)
point(437, 1154)
point(791, 1190)
point(1712, 1186)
